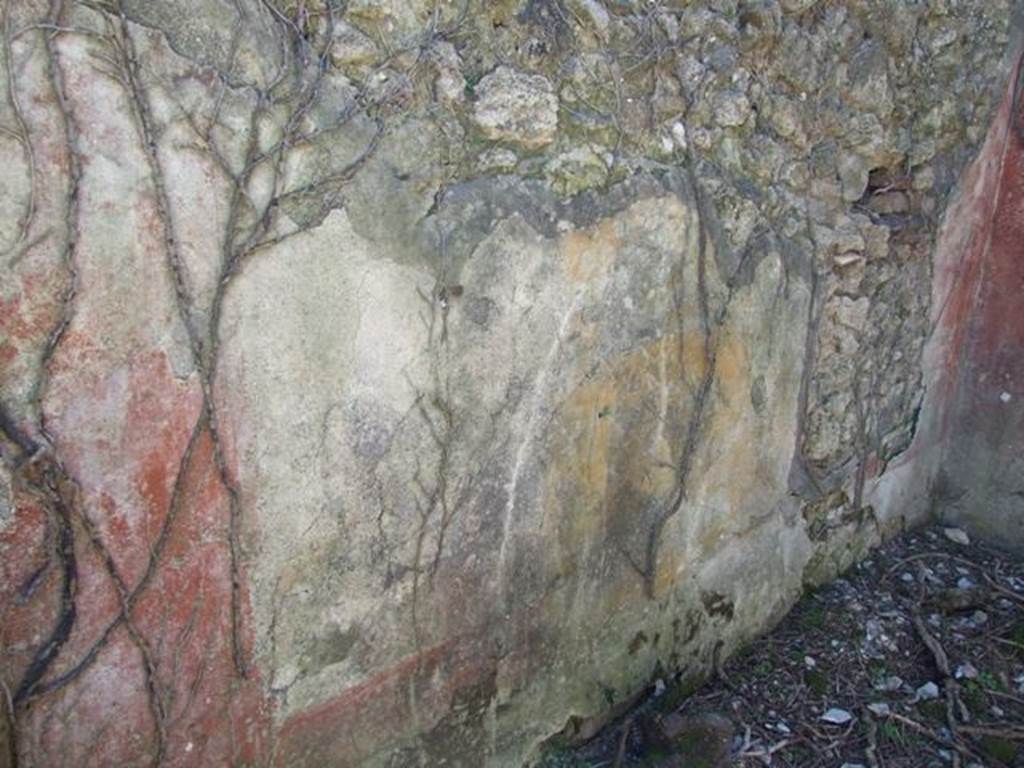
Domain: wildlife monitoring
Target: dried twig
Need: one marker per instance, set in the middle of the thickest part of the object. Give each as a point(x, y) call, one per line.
point(871, 752)
point(949, 685)
point(766, 753)
point(1014, 733)
point(925, 556)
point(1008, 593)
point(929, 733)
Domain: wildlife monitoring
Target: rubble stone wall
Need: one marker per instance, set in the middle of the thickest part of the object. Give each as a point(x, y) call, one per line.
point(398, 383)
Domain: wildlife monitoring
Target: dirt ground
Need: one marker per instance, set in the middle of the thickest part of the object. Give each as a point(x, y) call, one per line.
point(914, 658)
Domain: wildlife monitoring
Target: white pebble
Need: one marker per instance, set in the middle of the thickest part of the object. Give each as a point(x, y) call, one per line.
point(837, 716)
point(957, 536)
point(966, 671)
point(891, 684)
point(927, 692)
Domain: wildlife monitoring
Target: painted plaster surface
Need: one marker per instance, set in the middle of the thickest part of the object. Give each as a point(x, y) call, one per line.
point(407, 384)
point(982, 476)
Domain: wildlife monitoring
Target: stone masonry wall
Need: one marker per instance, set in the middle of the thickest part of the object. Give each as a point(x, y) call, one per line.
point(405, 383)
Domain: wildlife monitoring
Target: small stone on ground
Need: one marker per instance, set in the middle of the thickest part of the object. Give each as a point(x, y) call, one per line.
point(957, 536)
